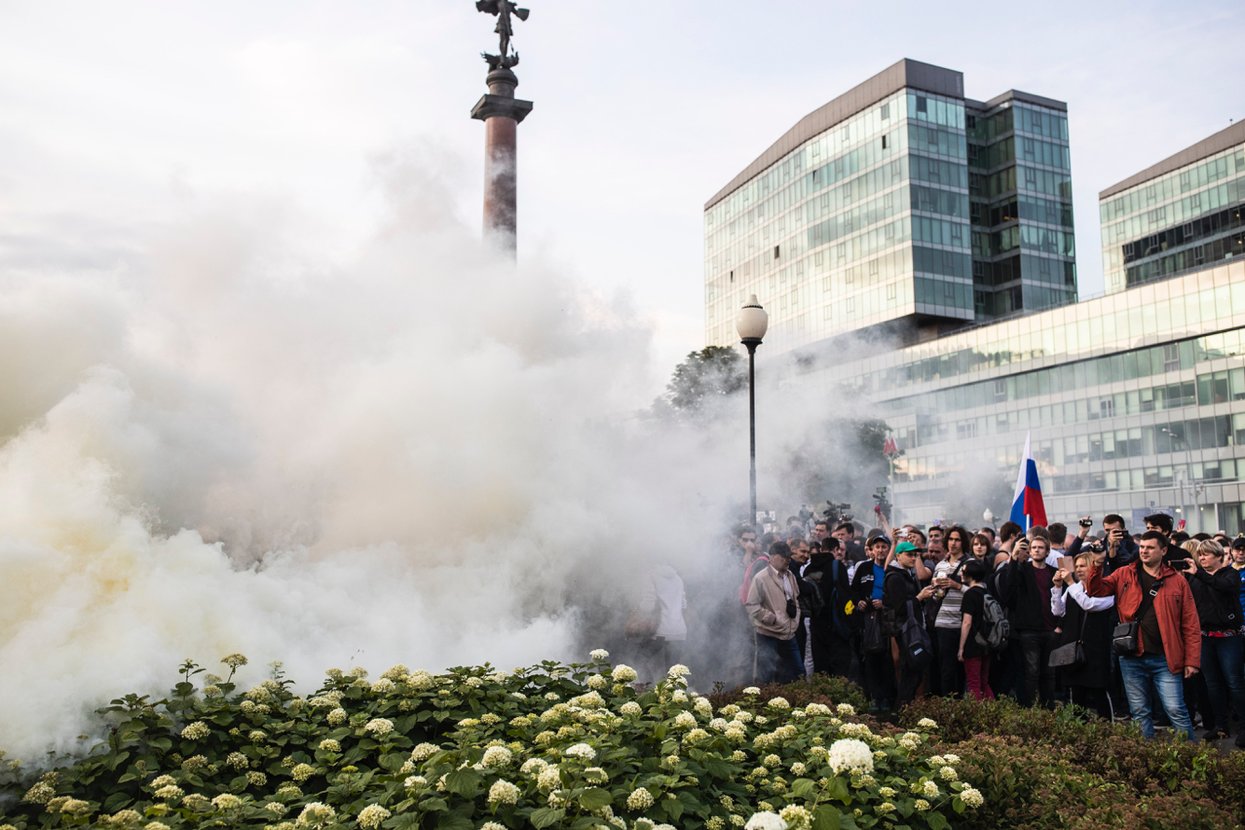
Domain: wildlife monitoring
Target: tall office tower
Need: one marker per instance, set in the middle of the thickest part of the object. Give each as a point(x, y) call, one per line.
point(1020, 187)
point(1177, 216)
point(864, 215)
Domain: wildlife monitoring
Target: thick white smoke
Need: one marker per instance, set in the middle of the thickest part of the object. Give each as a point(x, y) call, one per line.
point(403, 455)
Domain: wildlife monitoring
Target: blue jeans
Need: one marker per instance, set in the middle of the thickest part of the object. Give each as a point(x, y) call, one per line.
point(1139, 674)
point(778, 661)
point(1221, 666)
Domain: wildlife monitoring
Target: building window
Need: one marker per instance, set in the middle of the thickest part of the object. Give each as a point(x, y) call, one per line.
point(886, 111)
point(775, 252)
point(883, 142)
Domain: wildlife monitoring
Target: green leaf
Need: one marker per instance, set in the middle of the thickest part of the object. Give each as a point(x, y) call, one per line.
point(803, 788)
point(838, 790)
point(464, 782)
point(936, 821)
point(826, 817)
point(546, 817)
point(594, 798)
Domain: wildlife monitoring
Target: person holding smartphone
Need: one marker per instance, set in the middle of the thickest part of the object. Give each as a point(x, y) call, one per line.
point(1119, 549)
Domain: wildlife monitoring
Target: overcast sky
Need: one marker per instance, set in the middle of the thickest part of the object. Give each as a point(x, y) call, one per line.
point(111, 112)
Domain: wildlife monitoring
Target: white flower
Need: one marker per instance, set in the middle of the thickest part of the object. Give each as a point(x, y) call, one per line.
point(796, 817)
point(196, 731)
point(972, 797)
point(336, 717)
point(778, 703)
point(920, 805)
point(378, 726)
point(382, 687)
point(684, 720)
point(678, 670)
point(316, 814)
point(582, 751)
point(503, 792)
point(496, 757)
point(849, 754)
point(414, 781)
point(372, 815)
point(845, 709)
point(225, 801)
point(798, 768)
point(330, 745)
point(948, 774)
point(751, 691)
point(596, 681)
point(679, 696)
point(533, 766)
point(169, 792)
point(640, 799)
point(886, 792)
point(765, 821)
point(549, 778)
point(596, 775)
point(951, 759)
point(492, 825)
point(930, 789)
point(623, 674)
point(927, 723)
point(598, 654)
point(630, 708)
point(424, 751)
point(816, 709)
point(302, 772)
point(885, 807)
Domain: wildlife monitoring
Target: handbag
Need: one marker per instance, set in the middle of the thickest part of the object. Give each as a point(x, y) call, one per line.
point(1072, 654)
point(873, 639)
point(1124, 639)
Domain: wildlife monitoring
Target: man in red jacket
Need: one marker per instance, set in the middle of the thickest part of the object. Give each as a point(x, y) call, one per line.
point(1169, 641)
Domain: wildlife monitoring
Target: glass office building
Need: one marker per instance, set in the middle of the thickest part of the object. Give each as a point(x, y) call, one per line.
point(1179, 215)
point(1135, 401)
point(900, 204)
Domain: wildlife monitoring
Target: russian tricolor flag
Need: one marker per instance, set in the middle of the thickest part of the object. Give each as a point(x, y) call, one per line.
point(1028, 509)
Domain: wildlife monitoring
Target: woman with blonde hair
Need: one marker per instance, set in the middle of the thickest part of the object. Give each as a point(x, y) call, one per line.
point(1089, 621)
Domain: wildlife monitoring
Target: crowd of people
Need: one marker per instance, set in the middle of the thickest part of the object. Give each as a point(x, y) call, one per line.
point(1145, 625)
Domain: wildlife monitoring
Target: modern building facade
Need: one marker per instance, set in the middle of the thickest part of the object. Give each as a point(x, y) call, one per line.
point(1182, 214)
point(915, 252)
point(899, 204)
point(1135, 402)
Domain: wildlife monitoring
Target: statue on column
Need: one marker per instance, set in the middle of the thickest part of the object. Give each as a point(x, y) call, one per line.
point(502, 10)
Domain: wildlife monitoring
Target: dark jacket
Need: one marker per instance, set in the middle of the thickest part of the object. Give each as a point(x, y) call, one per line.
point(1093, 629)
point(1216, 598)
point(899, 588)
point(862, 582)
point(830, 577)
point(1029, 606)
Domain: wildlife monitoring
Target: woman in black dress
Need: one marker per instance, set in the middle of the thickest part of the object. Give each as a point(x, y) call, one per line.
point(1090, 620)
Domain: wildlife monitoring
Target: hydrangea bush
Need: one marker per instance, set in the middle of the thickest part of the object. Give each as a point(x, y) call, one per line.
point(562, 746)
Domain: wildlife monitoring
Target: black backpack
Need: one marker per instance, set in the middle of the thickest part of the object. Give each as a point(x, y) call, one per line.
point(811, 598)
point(995, 628)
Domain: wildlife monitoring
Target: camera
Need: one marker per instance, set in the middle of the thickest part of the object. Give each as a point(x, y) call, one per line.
point(1086, 522)
point(1094, 547)
point(792, 608)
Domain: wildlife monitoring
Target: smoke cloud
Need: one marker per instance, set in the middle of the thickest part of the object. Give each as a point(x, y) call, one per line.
point(218, 438)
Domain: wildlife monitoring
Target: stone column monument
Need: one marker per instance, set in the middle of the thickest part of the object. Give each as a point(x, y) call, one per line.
point(501, 113)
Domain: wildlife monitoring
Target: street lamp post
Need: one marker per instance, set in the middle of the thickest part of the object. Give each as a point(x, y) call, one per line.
point(751, 323)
